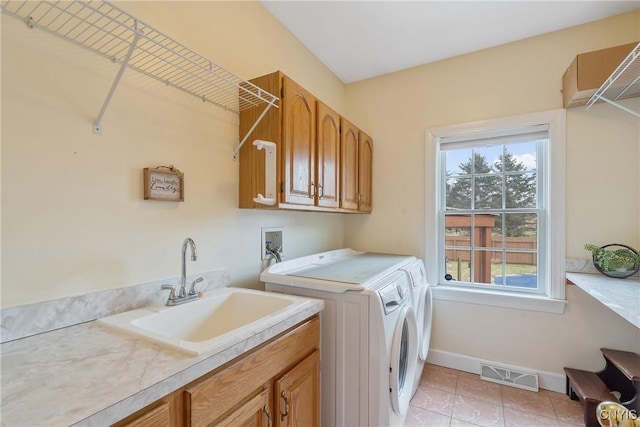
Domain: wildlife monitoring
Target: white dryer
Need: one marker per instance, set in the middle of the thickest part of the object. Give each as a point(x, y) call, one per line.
point(423, 305)
point(369, 332)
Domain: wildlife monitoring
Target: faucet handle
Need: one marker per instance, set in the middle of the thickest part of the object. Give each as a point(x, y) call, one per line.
point(172, 291)
point(192, 290)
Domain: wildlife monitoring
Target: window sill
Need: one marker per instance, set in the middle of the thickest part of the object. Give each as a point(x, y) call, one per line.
point(499, 299)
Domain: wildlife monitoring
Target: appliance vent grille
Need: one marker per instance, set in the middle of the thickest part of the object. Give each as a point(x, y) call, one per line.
point(510, 377)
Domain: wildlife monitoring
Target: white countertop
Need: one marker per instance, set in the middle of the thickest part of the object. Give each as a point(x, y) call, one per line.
point(620, 295)
point(93, 375)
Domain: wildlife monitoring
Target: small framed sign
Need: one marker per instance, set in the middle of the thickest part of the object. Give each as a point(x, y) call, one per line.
point(164, 183)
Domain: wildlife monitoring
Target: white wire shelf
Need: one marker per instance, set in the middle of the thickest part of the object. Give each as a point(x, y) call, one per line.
point(123, 39)
point(624, 82)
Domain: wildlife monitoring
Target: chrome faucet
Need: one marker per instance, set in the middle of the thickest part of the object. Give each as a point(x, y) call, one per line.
point(194, 256)
point(274, 252)
point(182, 296)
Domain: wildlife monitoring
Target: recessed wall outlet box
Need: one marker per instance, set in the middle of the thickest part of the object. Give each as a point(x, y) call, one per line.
point(271, 237)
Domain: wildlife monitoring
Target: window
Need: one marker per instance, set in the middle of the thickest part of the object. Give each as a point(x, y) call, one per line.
point(497, 228)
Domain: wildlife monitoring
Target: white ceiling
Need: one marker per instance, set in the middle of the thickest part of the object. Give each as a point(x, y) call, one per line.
point(362, 39)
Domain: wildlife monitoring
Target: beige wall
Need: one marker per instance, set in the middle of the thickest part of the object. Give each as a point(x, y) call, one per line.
point(602, 172)
point(73, 218)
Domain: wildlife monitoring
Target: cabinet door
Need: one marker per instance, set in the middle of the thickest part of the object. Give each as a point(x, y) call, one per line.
point(299, 136)
point(254, 413)
point(327, 171)
point(348, 166)
point(298, 394)
point(365, 161)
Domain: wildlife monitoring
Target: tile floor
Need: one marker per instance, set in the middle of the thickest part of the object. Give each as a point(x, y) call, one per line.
point(447, 397)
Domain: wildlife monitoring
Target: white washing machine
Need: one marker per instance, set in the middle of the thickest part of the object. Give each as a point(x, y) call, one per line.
point(369, 332)
point(423, 304)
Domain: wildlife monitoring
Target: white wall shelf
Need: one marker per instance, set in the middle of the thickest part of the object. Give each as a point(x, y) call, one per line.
point(624, 82)
point(123, 39)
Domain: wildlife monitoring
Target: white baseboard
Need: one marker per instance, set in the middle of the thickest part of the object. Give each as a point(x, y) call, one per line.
point(546, 380)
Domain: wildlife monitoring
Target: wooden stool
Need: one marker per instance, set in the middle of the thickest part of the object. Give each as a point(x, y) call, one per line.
point(621, 374)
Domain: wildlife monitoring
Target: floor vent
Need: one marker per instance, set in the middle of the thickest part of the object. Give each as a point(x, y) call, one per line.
point(511, 377)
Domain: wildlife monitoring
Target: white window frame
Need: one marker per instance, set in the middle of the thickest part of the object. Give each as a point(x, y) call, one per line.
point(552, 299)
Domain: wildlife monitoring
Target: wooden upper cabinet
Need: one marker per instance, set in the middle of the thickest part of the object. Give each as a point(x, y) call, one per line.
point(317, 153)
point(365, 176)
point(328, 157)
point(299, 141)
point(356, 156)
point(349, 166)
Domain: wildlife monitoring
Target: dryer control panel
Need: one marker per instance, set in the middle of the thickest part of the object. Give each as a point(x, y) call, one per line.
point(395, 293)
point(417, 272)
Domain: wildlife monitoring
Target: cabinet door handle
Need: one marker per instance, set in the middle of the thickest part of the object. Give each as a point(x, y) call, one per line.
point(265, 409)
point(286, 406)
point(313, 190)
point(321, 187)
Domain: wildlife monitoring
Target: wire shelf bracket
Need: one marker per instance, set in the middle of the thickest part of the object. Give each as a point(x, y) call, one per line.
point(123, 39)
point(255, 124)
point(624, 82)
point(97, 125)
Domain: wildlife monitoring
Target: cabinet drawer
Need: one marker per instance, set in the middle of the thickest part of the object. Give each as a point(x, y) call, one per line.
point(213, 397)
point(159, 414)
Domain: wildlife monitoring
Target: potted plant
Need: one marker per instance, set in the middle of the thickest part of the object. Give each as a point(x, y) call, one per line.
point(615, 260)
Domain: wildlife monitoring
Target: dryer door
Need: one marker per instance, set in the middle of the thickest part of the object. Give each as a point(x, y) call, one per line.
point(404, 358)
point(426, 316)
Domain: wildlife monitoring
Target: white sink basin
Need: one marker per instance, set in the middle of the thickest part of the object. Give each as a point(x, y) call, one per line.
point(217, 321)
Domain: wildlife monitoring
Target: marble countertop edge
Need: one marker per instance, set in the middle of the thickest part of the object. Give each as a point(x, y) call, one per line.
point(202, 366)
point(622, 296)
point(90, 375)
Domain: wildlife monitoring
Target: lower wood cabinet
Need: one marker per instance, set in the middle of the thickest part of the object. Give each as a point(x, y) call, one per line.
point(297, 402)
point(277, 384)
